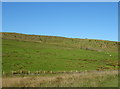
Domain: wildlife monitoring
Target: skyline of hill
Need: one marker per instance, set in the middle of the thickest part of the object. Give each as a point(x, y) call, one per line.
point(60, 36)
point(89, 44)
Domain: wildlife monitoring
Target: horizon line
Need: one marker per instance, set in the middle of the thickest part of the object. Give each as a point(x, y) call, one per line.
point(62, 36)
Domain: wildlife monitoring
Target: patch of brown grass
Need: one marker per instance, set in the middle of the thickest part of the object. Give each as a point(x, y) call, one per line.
point(62, 80)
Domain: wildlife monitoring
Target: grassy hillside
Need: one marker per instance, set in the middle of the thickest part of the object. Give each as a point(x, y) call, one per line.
point(50, 53)
point(89, 44)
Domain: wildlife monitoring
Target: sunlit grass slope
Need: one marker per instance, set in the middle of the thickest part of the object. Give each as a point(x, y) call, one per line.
point(35, 52)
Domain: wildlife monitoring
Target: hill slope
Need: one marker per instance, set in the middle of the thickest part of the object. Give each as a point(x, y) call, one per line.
point(90, 44)
point(36, 52)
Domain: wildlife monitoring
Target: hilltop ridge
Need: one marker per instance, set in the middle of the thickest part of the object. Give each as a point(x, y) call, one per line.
point(88, 44)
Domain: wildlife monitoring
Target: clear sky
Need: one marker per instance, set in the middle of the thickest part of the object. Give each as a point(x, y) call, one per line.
point(92, 20)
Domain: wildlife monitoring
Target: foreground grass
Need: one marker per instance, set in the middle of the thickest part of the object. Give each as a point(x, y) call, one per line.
point(84, 79)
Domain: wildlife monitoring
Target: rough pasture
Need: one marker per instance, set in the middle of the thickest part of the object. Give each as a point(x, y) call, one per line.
point(58, 61)
point(22, 52)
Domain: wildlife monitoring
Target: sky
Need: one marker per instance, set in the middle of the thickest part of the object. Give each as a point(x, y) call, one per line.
point(92, 20)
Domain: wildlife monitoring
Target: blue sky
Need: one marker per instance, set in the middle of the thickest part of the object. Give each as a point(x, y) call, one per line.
point(92, 20)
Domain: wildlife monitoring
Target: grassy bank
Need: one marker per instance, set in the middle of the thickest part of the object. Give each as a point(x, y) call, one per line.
point(85, 79)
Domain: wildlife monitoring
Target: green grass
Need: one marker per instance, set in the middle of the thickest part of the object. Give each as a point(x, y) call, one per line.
point(34, 53)
point(110, 81)
point(35, 56)
point(89, 44)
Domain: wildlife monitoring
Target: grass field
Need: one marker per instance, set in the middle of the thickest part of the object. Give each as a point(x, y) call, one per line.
point(86, 79)
point(43, 54)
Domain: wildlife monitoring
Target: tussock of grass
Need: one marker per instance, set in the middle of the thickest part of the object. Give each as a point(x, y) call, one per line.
point(85, 79)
